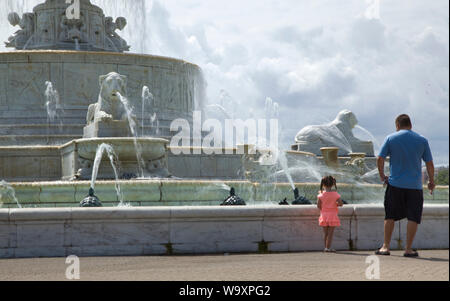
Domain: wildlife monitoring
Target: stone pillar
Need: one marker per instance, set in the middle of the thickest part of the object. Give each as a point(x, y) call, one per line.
point(330, 156)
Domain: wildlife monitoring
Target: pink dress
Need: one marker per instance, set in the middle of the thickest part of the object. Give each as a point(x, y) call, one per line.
point(329, 213)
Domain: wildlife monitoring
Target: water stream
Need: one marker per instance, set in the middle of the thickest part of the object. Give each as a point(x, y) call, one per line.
point(133, 129)
point(147, 99)
point(114, 164)
point(53, 106)
point(372, 137)
point(77, 44)
point(6, 191)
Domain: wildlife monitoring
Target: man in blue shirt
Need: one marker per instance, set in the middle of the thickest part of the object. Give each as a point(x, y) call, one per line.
point(404, 193)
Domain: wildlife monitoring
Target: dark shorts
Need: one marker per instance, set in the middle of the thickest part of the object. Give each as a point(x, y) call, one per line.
point(402, 203)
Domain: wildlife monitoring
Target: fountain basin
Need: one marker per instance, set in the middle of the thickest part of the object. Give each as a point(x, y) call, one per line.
point(154, 148)
point(78, 157)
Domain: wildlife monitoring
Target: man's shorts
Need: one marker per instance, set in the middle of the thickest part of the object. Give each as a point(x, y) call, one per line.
point(401, 203)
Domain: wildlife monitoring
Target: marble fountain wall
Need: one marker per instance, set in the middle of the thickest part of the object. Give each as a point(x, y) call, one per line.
point(200, 230)
point(175, 85)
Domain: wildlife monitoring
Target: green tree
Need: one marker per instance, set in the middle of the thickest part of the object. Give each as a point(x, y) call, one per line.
point(442, 176)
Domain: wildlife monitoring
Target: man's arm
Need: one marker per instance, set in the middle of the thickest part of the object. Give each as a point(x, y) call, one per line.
point(430, 171)
point(384, 153)
point(380, 164)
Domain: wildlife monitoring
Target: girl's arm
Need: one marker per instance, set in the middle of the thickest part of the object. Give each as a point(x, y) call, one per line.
point(319, 204)
point(340, 203)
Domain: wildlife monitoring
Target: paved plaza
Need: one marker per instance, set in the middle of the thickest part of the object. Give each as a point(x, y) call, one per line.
point(343, 266)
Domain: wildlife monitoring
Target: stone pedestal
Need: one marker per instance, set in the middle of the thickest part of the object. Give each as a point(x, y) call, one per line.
point(330, 156)
point(100, 129)
point(78, 158)
point(354, 156)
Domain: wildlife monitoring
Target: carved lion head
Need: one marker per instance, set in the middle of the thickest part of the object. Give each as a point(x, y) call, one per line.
point(111, 85)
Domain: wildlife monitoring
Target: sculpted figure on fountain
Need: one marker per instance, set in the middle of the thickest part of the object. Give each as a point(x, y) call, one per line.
point(49, 27)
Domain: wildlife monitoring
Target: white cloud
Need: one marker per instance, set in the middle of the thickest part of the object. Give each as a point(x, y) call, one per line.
point(377, 58)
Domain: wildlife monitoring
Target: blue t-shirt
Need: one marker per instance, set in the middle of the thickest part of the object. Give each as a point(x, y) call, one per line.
point(406, 149)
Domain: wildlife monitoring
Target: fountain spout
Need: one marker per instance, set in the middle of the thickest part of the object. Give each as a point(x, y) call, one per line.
point(300, 200)
point(91, 200)
point(233, 199)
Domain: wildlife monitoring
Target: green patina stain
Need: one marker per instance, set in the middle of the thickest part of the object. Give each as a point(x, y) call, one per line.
point(351, 245)
point(169, 249)
point(263, 247)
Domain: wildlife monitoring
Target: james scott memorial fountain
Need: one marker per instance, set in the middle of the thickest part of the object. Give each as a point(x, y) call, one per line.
point(83, 123)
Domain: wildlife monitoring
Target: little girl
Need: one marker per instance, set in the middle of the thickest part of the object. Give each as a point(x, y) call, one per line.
point(328, 202)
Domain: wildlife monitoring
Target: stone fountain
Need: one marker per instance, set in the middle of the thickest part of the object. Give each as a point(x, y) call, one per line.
point(72, 55)
point(100, 101)
point(99, 89)
point(108, 121)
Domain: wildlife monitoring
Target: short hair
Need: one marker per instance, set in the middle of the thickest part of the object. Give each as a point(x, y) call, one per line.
point(403, 121)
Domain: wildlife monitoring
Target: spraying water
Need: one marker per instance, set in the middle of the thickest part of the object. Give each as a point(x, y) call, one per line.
point(372, 137)
point(220, 109)
point(147, 98)
point(272, 112)
point(284, 165)
point(53, 102)
point(271, 108)
point(114, 162)
point(133, 129)
point(6, 191)
point(77, 44)
point(53, 106)
point(369, 174)
point(305, 170)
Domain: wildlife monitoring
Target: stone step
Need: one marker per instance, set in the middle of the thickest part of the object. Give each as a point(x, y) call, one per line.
point(65, 129)
point(36, 140)
point(39, 120)
point(41, 129)
point(70, 116)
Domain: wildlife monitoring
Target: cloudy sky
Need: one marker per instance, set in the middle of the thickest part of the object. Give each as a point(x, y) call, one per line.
point(378, 58)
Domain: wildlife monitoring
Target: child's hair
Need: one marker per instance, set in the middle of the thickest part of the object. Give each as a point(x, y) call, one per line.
point(328, 181)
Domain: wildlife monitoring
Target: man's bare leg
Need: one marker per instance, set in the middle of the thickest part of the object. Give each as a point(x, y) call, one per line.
point(389, 226)
point(410, 235)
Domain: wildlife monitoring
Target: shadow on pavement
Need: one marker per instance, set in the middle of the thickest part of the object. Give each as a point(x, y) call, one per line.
point(433, 259)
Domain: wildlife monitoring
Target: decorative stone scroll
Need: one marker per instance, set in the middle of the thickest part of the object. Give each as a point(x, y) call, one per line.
point(48, 27)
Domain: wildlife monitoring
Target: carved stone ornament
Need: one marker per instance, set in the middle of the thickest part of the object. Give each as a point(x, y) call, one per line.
point(50, 27)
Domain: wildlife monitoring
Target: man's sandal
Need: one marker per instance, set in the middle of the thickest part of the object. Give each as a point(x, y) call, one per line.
point(414, 254)
point(384, 253)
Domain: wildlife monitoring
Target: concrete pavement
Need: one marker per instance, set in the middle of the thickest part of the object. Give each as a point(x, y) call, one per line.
point(351, 266)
